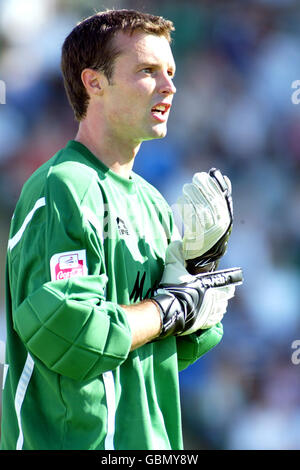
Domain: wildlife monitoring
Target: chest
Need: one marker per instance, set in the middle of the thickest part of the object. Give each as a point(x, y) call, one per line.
point(135, 240)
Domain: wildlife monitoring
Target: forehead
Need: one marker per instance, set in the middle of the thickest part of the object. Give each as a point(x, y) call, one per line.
point(142, 47)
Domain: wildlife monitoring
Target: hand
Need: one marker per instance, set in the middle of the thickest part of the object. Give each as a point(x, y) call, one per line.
point(206, 210)
point(196, 304)
point(188, 303)
point(220, 288)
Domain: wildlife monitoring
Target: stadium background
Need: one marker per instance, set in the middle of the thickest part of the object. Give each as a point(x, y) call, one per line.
point(236, 62)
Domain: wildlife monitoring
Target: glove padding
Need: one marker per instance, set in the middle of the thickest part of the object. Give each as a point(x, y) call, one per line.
point(207, 213)
point(198, 303)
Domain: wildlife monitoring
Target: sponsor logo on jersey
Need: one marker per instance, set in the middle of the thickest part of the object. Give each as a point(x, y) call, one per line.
point(123, 230)
point(68, 264)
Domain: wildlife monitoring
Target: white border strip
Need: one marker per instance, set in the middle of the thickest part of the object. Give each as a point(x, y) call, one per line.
point(20, 395)
point(92, 219)
point(109, 385)
point(17, 237)
point(4, 372)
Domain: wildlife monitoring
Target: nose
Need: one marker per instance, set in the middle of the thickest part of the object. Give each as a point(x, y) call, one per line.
point(167, 86)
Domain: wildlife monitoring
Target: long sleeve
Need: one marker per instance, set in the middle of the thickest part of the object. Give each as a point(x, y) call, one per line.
point(191, 347)
point(66, 322)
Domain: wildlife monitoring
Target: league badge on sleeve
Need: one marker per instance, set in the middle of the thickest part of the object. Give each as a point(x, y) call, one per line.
point(68, 264)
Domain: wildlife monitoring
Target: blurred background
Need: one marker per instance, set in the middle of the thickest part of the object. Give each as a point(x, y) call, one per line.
point(235, 110)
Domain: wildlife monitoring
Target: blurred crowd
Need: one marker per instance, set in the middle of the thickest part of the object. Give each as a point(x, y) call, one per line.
point(236, 62)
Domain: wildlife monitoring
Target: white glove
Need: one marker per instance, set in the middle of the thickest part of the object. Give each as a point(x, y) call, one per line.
point(206, 211)
point(175, 271)
point(213, 308)
point(215, 301)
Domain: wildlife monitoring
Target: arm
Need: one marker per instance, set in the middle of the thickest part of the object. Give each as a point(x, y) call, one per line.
point(66, 321)
point(191, 347)
point(144, 321)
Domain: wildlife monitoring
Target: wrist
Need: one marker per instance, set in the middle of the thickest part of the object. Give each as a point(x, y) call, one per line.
point(159, 314)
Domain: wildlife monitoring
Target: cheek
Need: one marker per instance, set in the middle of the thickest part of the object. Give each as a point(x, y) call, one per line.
point(125, 114)
point(130, 110)
point(131, 104)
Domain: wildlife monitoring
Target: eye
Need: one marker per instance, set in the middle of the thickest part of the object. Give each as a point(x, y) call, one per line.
point(147, 70)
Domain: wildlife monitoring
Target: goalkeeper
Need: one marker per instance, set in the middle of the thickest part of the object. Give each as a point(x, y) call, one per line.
point(104, 303)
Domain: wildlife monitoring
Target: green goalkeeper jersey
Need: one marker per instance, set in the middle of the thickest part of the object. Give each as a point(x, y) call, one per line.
point(83, 242)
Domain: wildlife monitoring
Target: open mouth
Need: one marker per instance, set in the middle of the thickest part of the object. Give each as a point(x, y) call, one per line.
point(161, 108)
point(160, 111)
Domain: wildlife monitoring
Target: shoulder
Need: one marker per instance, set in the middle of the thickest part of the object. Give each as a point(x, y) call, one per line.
point(65, 166)
point(74, 174)
point(66, 178)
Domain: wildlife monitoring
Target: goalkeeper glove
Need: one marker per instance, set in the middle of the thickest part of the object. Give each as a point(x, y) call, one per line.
point(188, 303)
point(207, 213)
point(196, 304)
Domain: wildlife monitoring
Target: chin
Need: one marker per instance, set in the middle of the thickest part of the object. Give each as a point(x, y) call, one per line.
point(159, 133)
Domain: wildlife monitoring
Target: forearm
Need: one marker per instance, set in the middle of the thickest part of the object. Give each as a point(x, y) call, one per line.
point(144, 321)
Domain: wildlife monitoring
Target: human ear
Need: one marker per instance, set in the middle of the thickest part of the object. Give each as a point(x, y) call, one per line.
point(93, 81)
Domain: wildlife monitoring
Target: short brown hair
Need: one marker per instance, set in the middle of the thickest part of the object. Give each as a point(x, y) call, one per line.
point(90, 45)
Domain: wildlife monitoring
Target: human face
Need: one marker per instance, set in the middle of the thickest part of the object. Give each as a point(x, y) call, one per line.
point(137, 102)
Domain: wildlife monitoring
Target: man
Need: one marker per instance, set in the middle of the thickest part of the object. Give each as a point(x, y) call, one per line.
point(93, 348)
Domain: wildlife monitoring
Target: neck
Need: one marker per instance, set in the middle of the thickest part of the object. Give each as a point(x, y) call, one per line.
point(115, 153)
